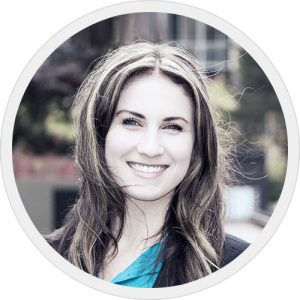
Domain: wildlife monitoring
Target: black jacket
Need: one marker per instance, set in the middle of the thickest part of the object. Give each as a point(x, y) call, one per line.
point(233, 247)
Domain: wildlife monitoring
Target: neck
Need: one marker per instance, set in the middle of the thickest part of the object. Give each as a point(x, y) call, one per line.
point(144, 219)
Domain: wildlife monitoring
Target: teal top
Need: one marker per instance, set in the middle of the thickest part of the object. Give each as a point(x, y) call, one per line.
point(142, 272)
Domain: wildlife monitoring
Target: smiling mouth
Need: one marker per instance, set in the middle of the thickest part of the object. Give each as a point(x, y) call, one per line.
point(147, 169)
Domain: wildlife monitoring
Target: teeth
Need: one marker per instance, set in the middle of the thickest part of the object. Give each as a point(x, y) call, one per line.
point(146, 169)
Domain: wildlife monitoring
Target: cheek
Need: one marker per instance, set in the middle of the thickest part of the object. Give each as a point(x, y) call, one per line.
point(111, 145)
point(117, 143)
point(181, 149)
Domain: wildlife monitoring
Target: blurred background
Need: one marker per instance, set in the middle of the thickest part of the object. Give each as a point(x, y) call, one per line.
point(45, 173)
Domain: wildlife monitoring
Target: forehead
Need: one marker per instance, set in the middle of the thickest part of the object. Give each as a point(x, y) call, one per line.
point(156, 94)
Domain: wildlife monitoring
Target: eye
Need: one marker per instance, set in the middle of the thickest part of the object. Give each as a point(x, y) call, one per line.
point(131, 122)
point(174, 127)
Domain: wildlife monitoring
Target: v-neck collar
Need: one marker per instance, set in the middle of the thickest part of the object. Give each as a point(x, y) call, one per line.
point(141, 266)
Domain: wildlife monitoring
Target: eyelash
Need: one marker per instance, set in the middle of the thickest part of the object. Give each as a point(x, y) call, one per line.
point(174, 127)
point(131, 122)
point(135, 122)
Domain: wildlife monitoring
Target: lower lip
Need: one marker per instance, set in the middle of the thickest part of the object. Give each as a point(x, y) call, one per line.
point(148, 175)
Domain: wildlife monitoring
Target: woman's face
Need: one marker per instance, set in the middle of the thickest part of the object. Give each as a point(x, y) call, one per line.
point(149, 144)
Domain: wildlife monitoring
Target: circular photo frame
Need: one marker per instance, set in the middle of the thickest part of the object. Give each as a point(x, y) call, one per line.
point(252, 105)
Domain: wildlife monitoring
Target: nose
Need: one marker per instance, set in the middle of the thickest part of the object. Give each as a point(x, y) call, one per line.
point(149, 145)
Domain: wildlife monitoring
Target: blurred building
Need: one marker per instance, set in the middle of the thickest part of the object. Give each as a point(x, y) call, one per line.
point(214, 49)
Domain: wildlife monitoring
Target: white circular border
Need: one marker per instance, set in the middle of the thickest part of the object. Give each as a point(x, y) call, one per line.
point(135, 7)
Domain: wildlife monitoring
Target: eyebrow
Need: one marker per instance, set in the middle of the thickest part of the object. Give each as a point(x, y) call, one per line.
point(143, 117)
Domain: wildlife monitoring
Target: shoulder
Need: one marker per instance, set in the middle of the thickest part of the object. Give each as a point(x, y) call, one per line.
point(233, 247)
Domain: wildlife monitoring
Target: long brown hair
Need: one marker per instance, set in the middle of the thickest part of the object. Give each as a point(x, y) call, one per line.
point(193, 227)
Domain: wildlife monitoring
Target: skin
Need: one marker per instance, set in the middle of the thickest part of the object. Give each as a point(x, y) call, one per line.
point(148, 149)
point(143, 135)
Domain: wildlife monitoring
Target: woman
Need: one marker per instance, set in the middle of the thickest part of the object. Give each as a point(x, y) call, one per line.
point(150, 211)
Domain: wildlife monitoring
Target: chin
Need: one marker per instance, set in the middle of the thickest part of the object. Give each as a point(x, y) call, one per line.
point(143, 194)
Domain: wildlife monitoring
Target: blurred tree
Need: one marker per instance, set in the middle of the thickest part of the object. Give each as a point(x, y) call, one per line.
point(43, 122)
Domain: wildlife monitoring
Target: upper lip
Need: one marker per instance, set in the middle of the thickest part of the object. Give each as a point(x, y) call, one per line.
point(148, 165)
